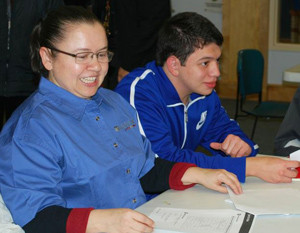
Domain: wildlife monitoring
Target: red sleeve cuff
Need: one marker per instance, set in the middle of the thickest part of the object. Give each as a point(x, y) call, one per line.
point(298, 169)
point(77, 220)
point(176, 174)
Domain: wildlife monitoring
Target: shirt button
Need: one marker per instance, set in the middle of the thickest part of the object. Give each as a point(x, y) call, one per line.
point(134, 200)
point(116, 145)
point(128, 171)
point(97, 118)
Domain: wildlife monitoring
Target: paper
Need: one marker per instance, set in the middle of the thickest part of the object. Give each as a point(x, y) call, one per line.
point(267, 201)
point(294, 142)
point(169, 220)
point(295, 155)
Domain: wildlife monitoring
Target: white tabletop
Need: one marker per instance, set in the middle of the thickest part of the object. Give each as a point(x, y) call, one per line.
point(292, 74)
point(199, 197)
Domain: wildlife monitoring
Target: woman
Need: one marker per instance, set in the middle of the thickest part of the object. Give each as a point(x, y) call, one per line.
point(72, 157)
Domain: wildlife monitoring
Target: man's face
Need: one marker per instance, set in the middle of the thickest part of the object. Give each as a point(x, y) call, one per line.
point(201, 70)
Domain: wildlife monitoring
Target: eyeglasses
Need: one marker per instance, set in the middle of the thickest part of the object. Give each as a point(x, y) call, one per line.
point(87, 57)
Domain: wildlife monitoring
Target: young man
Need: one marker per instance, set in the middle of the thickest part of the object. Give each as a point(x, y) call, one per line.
point(179, 110)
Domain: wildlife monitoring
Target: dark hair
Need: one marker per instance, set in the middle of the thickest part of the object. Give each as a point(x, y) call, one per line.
point(182, 34)
point(51, 30)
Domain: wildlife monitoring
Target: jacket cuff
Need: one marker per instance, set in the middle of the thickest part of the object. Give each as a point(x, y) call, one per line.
point(254, 147)
point(177, 173)
point(77, 220)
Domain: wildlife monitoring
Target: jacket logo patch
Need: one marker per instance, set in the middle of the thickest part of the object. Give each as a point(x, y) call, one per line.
point(127, 125)
point(202, 120)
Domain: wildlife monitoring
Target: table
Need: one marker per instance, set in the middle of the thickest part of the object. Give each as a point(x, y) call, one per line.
point(199, 197)
point(292, 75)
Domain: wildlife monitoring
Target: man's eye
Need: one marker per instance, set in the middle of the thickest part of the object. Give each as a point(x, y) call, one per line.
point(204, 63)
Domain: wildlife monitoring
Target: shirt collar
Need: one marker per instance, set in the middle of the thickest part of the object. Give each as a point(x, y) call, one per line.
point(66, 101)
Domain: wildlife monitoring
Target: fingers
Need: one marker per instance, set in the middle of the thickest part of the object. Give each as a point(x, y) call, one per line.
point(232, 181)
point(233, 146)
point(221, 188)
point(288, 170)
point(229, 145)
point(144, 223)
point(137, 222)
point(290, 173)
point(273, 170)
point(119, 220)
point(141, 228)
point(216, 178)
point(292, 163)
point(215, 146)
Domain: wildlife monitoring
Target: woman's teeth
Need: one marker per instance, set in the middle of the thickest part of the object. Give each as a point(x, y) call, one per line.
point(88, 79)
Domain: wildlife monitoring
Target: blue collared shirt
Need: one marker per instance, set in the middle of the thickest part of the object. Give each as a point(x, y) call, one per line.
point(59, 149)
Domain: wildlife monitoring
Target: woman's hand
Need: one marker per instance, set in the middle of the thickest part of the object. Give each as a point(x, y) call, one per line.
point(212, 179)
point(118, 221)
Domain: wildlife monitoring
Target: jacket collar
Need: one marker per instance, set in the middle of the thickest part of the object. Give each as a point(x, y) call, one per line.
point(167, 89)
point(165, 86)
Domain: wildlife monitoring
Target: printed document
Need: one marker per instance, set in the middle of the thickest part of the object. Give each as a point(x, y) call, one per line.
point(198, 221)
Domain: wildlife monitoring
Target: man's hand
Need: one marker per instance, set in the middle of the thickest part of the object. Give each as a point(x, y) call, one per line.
point(273, 170)
point(233, 146)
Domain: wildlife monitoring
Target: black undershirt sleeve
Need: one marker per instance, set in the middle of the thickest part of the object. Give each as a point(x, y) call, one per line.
point(157, 179)
point(52, 219)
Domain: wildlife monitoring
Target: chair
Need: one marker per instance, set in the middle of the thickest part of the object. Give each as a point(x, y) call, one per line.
point(250, 68)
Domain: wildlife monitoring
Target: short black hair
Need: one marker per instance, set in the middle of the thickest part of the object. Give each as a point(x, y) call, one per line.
point(182, 34)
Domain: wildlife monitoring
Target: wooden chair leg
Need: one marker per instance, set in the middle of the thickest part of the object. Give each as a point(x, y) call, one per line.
point(253, 129)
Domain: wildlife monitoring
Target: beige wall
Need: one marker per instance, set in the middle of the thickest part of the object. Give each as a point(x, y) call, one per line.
point(245, 25)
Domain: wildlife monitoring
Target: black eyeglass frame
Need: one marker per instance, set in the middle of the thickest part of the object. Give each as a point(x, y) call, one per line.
point(109, 55)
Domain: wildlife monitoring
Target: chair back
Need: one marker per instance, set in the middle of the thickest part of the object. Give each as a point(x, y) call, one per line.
point(250, 70)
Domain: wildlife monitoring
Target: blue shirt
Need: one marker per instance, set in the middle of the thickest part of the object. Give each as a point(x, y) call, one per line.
point(176, 130)
point(59, 149)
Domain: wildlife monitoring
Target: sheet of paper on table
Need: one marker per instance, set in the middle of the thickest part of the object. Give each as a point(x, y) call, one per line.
point(170, 220)
point(295, 155)
point(259, 201)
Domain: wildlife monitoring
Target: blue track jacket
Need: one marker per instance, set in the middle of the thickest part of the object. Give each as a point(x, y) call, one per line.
point(176, 130)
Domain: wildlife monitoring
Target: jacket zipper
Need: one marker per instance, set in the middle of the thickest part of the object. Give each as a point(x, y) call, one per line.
point(185, 124)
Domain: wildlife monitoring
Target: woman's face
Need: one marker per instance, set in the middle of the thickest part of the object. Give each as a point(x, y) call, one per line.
point(82, 80)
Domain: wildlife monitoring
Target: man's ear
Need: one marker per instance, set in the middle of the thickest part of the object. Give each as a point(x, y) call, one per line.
point(46, 57)
point(173, 65)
